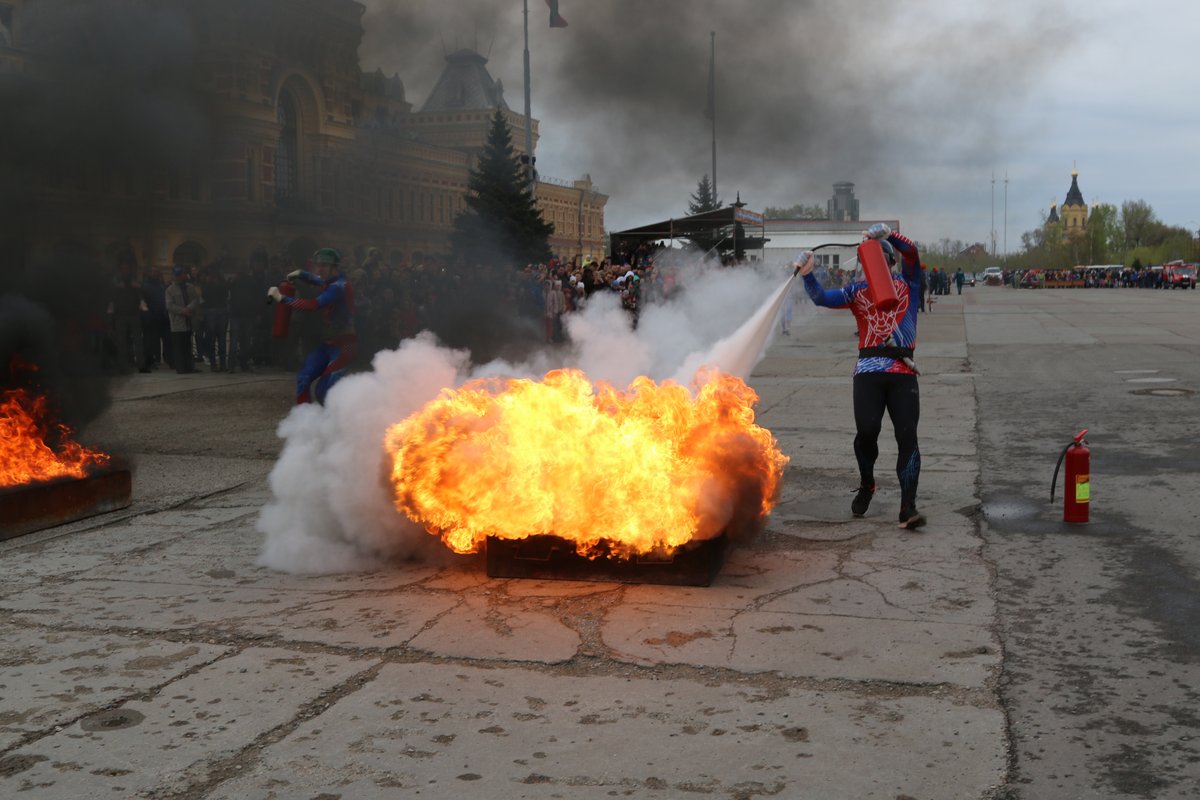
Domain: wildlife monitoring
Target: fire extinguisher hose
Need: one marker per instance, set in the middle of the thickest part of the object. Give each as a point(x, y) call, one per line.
point(1054, 480)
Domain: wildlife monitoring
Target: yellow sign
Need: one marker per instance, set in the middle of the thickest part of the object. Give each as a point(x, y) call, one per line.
point(1083, 488)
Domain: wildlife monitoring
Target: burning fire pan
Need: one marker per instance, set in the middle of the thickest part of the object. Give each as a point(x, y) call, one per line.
point(34, 506)
point(552, 558)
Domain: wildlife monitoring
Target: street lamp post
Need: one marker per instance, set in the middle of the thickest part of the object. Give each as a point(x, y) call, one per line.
point(992, 231)
point(528, 108)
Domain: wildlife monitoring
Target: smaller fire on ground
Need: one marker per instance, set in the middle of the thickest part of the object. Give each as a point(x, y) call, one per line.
point(617, 473)
point(34, 448)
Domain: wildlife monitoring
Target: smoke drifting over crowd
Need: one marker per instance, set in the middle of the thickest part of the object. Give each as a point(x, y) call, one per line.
point(114, 88)
point(333, 509)
point(808, 92)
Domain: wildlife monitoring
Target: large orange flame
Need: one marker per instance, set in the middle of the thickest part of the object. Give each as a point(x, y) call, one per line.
point(616, 472)
point(33, 448)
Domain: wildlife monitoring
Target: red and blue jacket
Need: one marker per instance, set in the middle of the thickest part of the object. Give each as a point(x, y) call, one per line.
point(877, 328)
point(336, 304)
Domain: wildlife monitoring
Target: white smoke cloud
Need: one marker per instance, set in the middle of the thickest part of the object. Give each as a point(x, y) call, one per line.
point(332, 509)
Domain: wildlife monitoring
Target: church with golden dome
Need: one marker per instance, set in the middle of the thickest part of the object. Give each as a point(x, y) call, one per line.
point(1074, 213)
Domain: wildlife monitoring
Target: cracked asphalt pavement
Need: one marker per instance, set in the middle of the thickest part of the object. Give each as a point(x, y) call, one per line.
point(994, 654)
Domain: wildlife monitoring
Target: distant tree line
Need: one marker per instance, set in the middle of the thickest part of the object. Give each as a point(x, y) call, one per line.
point(1114, 235)
point(1129, 234)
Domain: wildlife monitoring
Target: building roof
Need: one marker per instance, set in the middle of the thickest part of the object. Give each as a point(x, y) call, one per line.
point(465, 84)
point(854, 227)
point(378, 84)
point(1053, 215)
point(1074, 196)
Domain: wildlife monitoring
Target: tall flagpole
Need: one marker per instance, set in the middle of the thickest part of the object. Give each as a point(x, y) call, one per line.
point(528, 108)
point(712, 99)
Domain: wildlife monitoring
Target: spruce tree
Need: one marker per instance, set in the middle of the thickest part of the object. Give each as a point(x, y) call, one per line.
point(501, 225)
point(703, 199)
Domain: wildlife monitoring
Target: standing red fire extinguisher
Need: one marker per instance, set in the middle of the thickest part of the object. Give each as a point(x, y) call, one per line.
point(283, 312)
point(1077, 489)
point(878, 274)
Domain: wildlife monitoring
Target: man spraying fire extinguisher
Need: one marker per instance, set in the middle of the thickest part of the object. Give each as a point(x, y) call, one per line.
point(885, 307)
point(325, 365)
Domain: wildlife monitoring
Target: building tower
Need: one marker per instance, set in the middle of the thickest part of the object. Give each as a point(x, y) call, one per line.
point(1052, 217)
point(843, 206)
point(1074, 209)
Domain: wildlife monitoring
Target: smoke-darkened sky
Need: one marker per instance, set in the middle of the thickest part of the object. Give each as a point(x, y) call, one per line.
point(915, 101)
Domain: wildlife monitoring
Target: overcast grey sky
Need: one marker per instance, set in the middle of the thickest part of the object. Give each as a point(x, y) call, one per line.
point(915, 101)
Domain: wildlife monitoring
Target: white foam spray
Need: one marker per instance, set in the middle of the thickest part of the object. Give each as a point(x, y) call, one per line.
point(332, 508)
point(737, 353)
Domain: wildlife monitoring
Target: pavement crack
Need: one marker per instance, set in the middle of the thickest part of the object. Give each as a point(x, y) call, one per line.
point(220, 770)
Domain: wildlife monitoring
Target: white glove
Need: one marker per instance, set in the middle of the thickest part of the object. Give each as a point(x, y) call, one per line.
point(804, 263)
point(275, 294)
point(878, 231)
point(294, 274)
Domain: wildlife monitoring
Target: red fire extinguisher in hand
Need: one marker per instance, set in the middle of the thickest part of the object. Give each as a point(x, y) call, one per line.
point(283, 312)
point(1077, 489)
point(878, 273)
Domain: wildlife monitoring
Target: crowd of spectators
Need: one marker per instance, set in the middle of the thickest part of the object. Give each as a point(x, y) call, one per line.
point(559, 288)
point(215, 314)
point(229, 325)
point(1107, 277)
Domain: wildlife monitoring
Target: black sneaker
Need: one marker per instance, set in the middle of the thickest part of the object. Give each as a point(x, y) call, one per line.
point(911, 519)
point(862, 500)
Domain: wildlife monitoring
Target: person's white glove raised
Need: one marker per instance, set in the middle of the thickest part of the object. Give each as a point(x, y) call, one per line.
point(294, 274)
point(804, 263)
point(275, 294)
point(877, 231)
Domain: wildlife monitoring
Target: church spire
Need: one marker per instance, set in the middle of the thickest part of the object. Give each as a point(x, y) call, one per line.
point(1074, 196)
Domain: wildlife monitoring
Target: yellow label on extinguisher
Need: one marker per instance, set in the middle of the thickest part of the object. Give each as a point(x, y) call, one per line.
point(1083, 488)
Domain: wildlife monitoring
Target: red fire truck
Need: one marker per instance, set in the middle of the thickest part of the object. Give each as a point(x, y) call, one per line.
point(1179, 275)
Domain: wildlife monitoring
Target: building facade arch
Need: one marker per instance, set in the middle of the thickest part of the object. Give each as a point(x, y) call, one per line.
point(302, 84)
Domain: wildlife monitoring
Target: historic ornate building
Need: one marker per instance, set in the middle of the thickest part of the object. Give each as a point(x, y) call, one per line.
point(302, 148)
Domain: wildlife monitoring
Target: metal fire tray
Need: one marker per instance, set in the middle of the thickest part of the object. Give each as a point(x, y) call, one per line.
point(553, 558)
point(34, 506)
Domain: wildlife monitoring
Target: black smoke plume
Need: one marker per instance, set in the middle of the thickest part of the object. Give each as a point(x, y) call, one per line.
point(807, 92)
point(108, 88)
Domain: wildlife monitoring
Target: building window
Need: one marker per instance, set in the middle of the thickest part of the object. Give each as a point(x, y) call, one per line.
point(287, 172)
